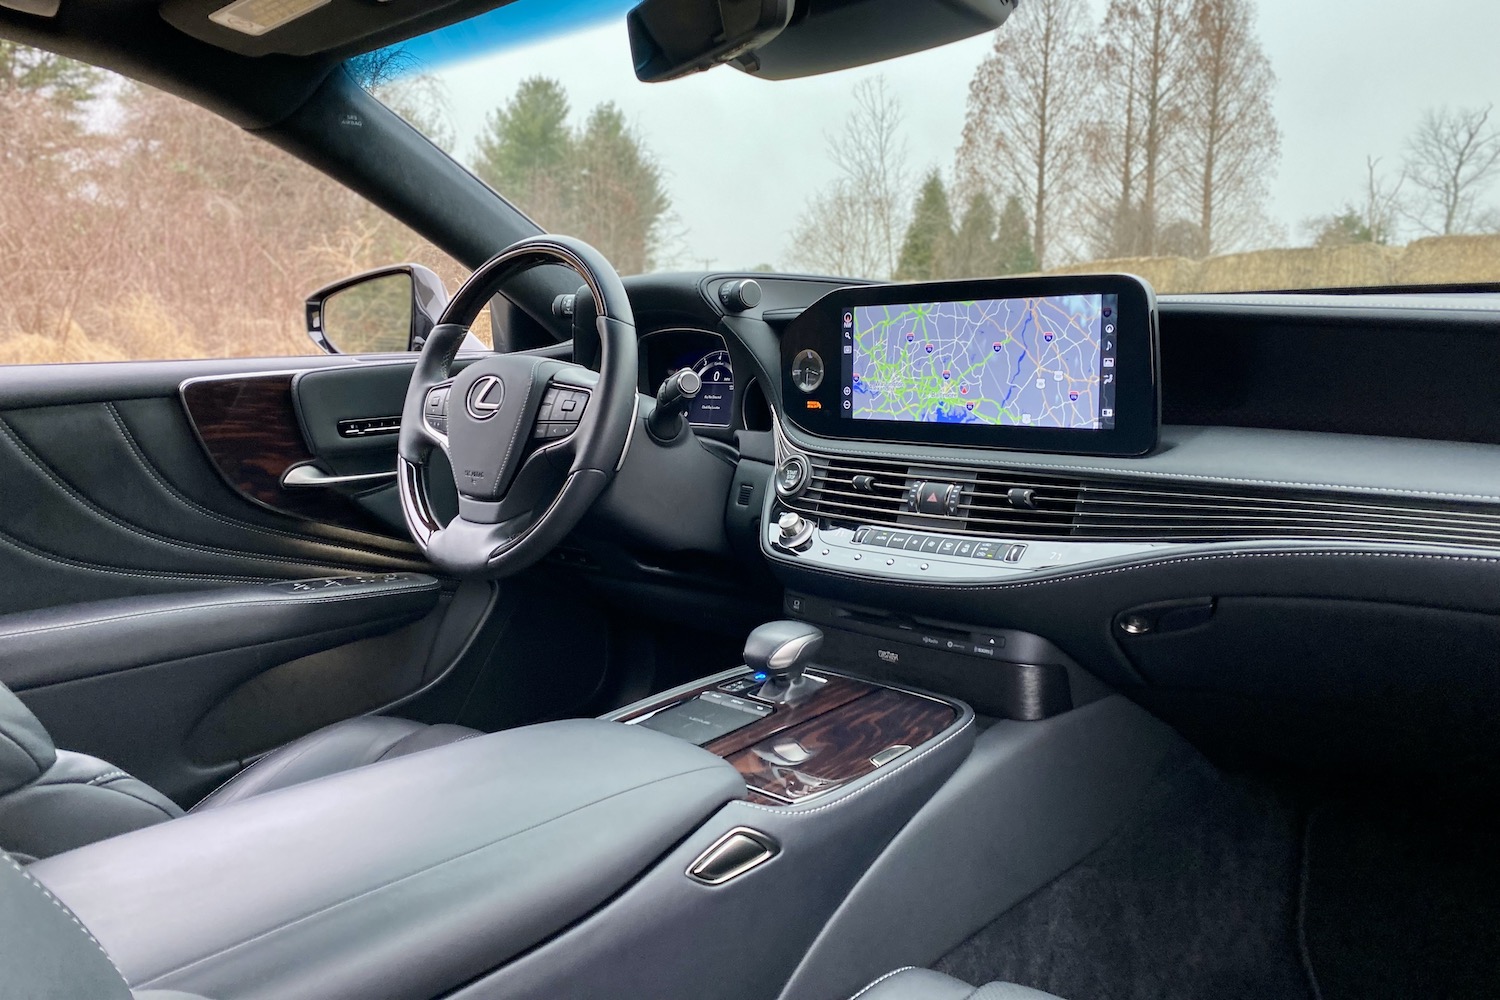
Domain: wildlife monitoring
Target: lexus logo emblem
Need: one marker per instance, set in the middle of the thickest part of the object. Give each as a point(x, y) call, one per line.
point(485, 397)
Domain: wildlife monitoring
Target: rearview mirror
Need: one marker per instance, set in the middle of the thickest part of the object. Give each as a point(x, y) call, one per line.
point(384, 311)
point(672, 38)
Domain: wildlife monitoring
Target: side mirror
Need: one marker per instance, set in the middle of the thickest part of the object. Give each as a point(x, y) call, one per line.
point(384, 311)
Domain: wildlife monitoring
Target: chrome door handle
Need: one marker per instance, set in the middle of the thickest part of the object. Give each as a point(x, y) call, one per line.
point(308, 475)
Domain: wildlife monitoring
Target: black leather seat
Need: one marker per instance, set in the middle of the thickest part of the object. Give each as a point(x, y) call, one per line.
point(924, 984)
point(55, 800)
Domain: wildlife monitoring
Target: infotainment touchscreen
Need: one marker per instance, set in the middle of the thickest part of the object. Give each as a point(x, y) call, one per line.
point(1056, 364)
point(1044, 361)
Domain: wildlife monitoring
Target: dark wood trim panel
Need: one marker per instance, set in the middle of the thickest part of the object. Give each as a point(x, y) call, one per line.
point(839, 728)
point(248, 426)
point(835, 748)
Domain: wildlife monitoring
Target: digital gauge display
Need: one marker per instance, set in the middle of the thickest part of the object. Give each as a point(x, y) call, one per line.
point(666, 352)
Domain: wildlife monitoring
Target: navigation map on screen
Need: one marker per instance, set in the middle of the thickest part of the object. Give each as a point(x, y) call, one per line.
point(1041, 362)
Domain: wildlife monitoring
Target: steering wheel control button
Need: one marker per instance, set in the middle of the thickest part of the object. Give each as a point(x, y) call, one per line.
point(559, 413)
point(807, 371)
point(732, 855)
point(435, 409)
point(792, 475)
point(485, 397)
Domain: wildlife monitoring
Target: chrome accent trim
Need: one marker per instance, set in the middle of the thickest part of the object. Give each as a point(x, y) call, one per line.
point(768, 845)
point(309, 475)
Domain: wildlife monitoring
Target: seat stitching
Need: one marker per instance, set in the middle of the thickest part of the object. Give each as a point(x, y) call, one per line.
point(89, 506)
point(294, 602)
point(71, 915)
point(151, 470)
point(871, 986)
point(107, 776)
point(421, 871)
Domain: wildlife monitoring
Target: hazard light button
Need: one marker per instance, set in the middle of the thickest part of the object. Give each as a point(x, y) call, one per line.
point(934, 498)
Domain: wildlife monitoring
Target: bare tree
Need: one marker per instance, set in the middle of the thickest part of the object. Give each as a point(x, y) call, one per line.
point(1382, 201)
point(1140, 67)
point(855, 226)
point(1231, 140)
point(1450, 161)
point(1027, 108)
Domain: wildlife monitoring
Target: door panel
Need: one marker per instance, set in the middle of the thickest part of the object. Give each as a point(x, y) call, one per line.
point(113, 506)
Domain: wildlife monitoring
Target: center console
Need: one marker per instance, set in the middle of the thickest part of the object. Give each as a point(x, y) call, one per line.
point(792, 733)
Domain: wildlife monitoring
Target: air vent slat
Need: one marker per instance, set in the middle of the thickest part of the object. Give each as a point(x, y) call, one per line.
point(1051, 505)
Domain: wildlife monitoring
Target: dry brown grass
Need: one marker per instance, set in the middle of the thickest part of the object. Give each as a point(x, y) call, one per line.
point(1435, 260)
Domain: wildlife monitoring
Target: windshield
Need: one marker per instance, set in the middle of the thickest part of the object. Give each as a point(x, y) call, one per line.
point(1208, 145)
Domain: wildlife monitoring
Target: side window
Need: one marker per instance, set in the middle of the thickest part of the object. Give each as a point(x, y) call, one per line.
point(136, 226)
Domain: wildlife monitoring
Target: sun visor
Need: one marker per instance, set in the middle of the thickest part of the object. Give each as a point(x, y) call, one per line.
point(312, 27)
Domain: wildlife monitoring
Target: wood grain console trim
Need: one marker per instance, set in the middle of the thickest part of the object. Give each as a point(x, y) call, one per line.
point(248, 426)
point(839, 745)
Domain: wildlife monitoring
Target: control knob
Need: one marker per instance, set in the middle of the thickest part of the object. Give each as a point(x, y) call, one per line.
point(737, 296)
point(793, 531)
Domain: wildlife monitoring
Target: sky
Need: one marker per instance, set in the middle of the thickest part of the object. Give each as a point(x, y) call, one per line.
point(743, 155)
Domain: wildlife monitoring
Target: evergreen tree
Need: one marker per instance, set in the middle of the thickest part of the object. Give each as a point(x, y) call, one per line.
point(618, 201)
point(524, 147)
point(928, 235)
point(1013, 246)
point(599, 182)
point(973, 250)
point(32, 71)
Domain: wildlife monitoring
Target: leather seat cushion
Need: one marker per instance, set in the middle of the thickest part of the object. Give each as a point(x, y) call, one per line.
point(78, 800)
point(924, 984)
point(339, 747)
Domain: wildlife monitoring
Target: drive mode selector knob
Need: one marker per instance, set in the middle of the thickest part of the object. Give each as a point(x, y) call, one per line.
point(793, 531)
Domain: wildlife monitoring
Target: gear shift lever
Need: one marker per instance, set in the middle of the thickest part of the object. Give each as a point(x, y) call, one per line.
point(782, 651)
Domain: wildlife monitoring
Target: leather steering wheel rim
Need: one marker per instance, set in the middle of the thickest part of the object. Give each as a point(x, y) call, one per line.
point(524, 481)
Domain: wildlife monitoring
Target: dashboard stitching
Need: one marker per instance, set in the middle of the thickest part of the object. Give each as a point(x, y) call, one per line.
point(1153, 564)
point(901, 768)
point(1179, 476)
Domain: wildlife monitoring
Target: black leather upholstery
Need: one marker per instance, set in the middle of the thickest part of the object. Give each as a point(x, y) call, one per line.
point(335, 748)
point(25, 748)
point(76, 801)
point(404, 879)
point(45, 952)
point(53, 800)
point(924, 984)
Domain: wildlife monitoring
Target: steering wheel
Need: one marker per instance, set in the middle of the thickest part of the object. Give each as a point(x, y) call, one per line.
point(533, 441)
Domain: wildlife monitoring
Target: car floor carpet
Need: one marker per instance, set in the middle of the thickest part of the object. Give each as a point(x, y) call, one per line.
point(1401, 902)
point(1196, 899)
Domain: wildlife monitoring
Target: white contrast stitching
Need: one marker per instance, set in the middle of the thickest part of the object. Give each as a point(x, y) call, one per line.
point(871, 986)
point(1156, 563)
point(71, 915)
point(107, 776)
point(906, 764)
point(90, 507)
point(291, 602)
point(134, 574)
point(187, 501)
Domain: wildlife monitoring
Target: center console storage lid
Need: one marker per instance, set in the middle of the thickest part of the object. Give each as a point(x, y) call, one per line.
point(402, 879)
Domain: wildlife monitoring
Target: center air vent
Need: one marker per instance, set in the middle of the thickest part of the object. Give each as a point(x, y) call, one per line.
point(1026, 504)
point(875, 491)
